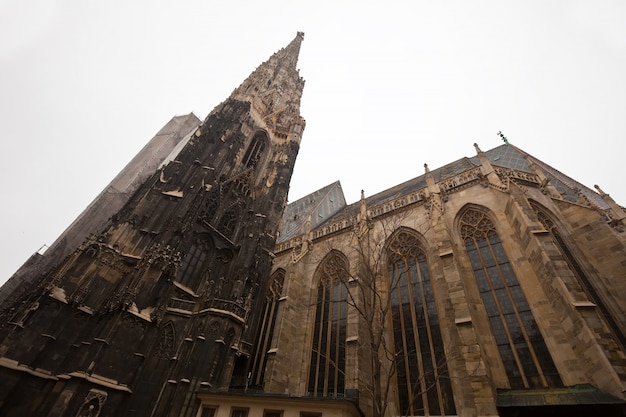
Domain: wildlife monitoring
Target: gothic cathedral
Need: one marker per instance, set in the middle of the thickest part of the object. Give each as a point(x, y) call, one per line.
point(492, 286)
point(165, 299)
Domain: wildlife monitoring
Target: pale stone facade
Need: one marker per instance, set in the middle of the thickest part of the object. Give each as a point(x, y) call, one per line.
point(229, 405)
point(510, 187)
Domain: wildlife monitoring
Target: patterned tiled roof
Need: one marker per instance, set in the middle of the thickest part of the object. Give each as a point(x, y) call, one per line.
point(504, 156)
point(317, 206)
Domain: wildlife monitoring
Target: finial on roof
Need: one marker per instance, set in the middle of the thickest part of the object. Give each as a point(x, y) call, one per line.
point(504, 139)
point(477, 148)
point(597, 187)
point(274, 89)
point(292, 51)
point(362, 217)
point(426, 169)
point(617, 212)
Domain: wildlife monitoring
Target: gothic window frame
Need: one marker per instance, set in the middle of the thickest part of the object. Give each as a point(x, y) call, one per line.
point(570, 253)
point(327, 365)
point(422, 374)
point(193, 269)
point(265, 336)
point(524, 355)
point(93, 403)
point(211, 206)
point(166, 342)
point(228, 221)
point(256, 150)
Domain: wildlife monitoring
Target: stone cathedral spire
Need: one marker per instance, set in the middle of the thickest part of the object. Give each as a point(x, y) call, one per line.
point(165, 299)
point(274, 90)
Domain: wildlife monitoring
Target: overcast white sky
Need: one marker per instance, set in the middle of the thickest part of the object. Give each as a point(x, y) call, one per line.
point(390, 86)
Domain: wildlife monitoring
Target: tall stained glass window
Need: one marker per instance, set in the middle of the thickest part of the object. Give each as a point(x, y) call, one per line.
point(421, 370)
point(266, 331)
point(194, 263)
point(582, 277)
point(328, 350)
point(523, 351)
point(255, 150)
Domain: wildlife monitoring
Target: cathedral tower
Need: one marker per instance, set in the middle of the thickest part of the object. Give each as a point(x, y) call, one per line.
point(165, 299)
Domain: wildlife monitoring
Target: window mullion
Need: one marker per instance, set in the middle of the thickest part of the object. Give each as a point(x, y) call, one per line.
point(520, 323)
point(320, 323)
point(417, 336)
point(499, 308)
point(329, 326)
point(433, 355)
point(405, 351)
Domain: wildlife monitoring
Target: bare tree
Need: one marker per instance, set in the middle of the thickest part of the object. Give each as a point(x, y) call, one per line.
point(371, 302)
point(369, 296)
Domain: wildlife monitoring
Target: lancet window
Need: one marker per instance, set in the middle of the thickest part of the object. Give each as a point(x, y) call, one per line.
point(210, 206)
point(195, 263)
point(421, 369)
point(328, 350)
point(266, 331)
point(581, 276)
point(523, 351)
point(228, 223)
point(255, 150)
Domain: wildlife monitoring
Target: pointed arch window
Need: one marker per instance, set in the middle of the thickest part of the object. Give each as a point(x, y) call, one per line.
point(421, 369)
point(255, 151)
point(194, 264)
point(328, 350)
point(228, 223)
point(266, 330)
point(167, 341)
point(523, 351)
point(581, 276)
point(210, 206)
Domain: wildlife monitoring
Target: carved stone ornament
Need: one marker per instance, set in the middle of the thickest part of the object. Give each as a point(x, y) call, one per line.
point(92, 405)
point(78, 297)
point(167, 340)
point(164, 257)
point(404, 245)
point(617, 224)
point(122, 299)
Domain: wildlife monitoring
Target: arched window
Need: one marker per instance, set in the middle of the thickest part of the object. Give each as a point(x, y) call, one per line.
point(421, 370)
point(266, 330)
point(194, 264)
point(523, 351)
point(255, 150)
point(328, 351)
point(167, 342)
point(228, 223)
point(581, 276)
point(210, 206)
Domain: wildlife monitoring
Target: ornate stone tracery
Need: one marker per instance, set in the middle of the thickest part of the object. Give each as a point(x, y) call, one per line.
point(476, 224)
point(334, 267)
point(92, 405)
point(167, 340)
point(403, 245)
point(163, 256)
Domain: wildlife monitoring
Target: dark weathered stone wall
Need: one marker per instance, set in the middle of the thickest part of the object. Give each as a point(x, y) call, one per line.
point(119, 312)
point(96, 216)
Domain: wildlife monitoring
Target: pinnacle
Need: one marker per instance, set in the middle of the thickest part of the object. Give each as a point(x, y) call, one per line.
point(276, 83)
point(292, 51)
